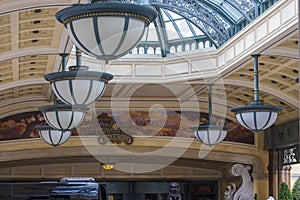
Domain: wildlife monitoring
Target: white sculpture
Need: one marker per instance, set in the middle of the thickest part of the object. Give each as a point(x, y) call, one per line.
point(230, 190)
point(245, 191)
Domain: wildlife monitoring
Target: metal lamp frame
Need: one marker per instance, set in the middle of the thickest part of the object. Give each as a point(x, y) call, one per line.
point(257, 105)
point(209, 126)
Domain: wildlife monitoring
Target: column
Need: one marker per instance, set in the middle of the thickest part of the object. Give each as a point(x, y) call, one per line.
point(273, 169)
point(285, 175)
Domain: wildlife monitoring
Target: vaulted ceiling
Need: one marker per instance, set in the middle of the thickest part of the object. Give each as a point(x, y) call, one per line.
point(31, 39)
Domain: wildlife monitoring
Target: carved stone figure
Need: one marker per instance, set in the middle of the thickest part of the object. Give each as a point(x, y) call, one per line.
point(174, 191)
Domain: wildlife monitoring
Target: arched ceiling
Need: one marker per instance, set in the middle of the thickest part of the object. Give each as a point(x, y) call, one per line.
point(31, 39)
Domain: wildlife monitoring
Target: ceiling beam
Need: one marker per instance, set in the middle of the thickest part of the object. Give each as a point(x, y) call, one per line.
point(33, 51)
point(270, 91)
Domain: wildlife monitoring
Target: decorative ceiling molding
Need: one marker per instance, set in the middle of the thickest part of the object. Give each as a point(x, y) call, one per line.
point(18, 83)
point(281, 52)
point(36, 149)
point(268, 90)
point(16, 5)
point(32, 51)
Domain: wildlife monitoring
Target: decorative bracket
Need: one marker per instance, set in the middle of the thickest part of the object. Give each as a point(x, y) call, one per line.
point(245, 191)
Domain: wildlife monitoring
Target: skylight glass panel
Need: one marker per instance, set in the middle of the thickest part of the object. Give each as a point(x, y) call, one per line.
point(152, 35)
point(197, 30)
point(184, 28)
point(234, 13)
point(171, 31)
point(174, 15)
point(165, 17)
point(228, 9)
point(144, 38)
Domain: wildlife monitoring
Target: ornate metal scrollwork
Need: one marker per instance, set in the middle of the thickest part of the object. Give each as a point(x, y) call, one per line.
point(246, 7)
point(115, 135)
point(289, 156)
point(115, 138)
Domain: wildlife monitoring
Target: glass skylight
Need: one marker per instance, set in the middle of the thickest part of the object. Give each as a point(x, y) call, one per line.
point(187, 25)
point(236, 15)
point(176, 27)
point(184, 25)
point(234, 8)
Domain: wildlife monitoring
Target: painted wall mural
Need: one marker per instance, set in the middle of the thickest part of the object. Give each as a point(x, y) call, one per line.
point(20, 126)
point(136, 123)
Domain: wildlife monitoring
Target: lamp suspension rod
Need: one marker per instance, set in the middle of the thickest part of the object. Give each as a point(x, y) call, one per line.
point(78, 57)
point(209, 103)
point(256, 91)
point(63, 61)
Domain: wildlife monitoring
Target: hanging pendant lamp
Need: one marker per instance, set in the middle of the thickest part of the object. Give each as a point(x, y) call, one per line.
point(256, 116)
point(78, 86)
point(52, 136)
point(106, 29)
point(209, 133)
point(63, 117)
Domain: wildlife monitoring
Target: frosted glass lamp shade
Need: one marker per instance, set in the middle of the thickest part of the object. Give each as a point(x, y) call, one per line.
point(106, 30)
point(63, 117)
point(210, 134)
point(78, 86)
point(256, 116)
point(52, 136)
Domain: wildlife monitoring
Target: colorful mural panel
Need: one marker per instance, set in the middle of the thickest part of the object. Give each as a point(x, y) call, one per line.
point(20, 126)
point(134, 123)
